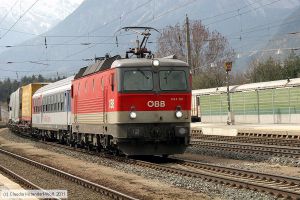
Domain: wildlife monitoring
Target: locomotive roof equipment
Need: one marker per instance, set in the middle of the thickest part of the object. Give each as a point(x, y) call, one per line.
point(140, 51)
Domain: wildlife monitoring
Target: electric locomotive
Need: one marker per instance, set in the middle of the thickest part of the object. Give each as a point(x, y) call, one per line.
point(136, 106)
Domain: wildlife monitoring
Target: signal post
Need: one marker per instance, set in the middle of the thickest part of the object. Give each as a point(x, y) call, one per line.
point(228, 67)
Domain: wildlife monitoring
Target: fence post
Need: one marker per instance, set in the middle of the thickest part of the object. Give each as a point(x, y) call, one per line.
point(257, 97)
point(244, 107)
point(289, 105)
point(273, 106)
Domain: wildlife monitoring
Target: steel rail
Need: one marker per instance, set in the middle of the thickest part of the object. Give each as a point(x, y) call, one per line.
point(259, 149)
point(223, 175)
point(236, 180)
point(288, 180)
point(23, 181)
point(245, 139)
point(88, 184)
point(256, 181)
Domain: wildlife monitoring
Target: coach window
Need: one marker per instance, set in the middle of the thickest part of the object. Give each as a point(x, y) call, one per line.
point(58, 104)
point(62, 101)
point(54, 103)
point(51, 103)
point(39, 105)
point(45, 103)
point(48, 104)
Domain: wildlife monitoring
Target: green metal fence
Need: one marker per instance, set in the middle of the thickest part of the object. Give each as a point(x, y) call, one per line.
point(279, 102)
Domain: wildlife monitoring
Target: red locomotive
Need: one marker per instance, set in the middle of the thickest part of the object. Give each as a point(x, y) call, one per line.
point(133, 106)
point(138, 106)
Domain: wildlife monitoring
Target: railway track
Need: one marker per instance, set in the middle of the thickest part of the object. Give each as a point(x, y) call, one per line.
point(249, 148)
point(254, 140)
point(113, 194)
point(279, 186)
point(23, 181)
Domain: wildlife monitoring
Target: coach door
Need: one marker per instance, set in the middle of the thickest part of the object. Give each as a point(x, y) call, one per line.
point(68, 106)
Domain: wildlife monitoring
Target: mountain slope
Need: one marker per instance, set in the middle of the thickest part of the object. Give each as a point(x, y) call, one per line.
point(96, 18)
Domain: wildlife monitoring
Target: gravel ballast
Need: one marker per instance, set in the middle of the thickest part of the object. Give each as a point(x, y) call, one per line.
point(47, 180)
point(215, 191)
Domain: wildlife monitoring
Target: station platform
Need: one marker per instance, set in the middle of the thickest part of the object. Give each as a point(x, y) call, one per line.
point(291, 131)
point(7, 184)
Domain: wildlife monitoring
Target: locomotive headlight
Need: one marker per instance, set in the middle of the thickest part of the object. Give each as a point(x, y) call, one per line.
point(182, 131)
point(178, 114)
point(155, 63)
point(132, 115)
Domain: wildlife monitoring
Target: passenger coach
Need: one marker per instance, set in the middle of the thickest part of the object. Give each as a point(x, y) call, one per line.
point(52, 110)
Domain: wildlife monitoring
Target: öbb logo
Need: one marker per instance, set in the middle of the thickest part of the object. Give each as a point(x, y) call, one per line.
point(156, 104)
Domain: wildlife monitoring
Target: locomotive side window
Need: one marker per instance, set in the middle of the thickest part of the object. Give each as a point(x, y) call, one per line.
point(78, 89)
point(172, 80)
point(102, 83)
point(85, 86)
point(138, 80)
point(112, 82)
point(93, 85)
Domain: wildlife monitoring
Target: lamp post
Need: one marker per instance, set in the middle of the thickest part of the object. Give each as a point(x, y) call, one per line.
point(228, 67)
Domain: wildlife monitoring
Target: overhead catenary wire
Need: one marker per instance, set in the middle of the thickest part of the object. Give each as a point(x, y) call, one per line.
point(9, 11)
point(98, 28)
point(21, 16)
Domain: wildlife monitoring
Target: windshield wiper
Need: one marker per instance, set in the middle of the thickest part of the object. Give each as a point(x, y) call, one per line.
point(142, 72)
point(167, 75)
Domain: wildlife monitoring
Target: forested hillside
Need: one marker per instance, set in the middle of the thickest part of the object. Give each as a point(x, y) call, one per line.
point(8, 86)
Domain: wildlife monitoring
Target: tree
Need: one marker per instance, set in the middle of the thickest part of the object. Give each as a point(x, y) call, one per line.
point(7, 86)
point(272, 69)
point(209, 52)
point(292, 66)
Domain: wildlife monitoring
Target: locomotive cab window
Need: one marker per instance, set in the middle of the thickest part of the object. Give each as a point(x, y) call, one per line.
point(173, 80)
point(138, 80)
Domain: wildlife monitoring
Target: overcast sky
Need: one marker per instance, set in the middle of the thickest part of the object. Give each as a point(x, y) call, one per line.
point(45, 13)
